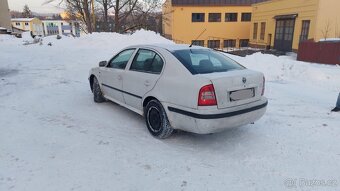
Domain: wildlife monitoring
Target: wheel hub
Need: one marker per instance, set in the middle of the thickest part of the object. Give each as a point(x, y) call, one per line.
point(154, 119)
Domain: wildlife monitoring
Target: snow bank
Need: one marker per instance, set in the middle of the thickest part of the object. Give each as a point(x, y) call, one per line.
point(5, 37)
point(54, 137)
point(26, 36)
point(115, 41)
point(330, 39)
point(287, 68)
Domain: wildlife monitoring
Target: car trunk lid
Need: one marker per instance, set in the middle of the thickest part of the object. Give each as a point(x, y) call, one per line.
point(236, 87)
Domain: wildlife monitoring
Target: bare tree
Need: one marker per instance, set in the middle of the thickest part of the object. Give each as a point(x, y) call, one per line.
point(326, 30)
point(81, 10)
point(16, 14)
point(142, 15)
point(106, 6)
point(128, 14)
point(122, 9)
point(337, 29)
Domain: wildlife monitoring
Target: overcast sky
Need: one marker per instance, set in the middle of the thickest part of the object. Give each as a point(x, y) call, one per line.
point(34, 5)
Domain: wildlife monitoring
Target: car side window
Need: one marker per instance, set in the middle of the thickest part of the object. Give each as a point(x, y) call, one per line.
point(157, 64)
point(147, 61)
point(120, 61)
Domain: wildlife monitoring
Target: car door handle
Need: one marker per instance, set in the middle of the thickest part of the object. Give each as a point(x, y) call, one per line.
point(147, 83)
point(120, 77)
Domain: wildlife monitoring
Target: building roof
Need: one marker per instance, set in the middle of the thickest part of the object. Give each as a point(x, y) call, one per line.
point(215, 2)
point(22, 19)
point(58, 20)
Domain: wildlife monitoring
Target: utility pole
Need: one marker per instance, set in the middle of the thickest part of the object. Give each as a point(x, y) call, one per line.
point(93, 17)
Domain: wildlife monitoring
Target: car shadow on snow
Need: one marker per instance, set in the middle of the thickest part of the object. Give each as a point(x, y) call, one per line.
point(229, 138)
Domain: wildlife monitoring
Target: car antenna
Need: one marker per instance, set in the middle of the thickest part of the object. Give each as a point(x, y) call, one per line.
point(197, 38)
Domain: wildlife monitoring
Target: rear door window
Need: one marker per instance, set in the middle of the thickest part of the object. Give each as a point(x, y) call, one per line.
point(147, 61)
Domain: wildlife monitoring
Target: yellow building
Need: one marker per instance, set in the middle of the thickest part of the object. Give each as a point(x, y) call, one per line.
point(28, 24)
point(283, 24)
point(216, 24)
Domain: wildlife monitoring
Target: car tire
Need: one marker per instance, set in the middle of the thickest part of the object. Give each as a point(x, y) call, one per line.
point(97, 92)
point(157, 120)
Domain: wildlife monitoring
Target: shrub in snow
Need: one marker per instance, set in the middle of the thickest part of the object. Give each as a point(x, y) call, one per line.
point(37, 39)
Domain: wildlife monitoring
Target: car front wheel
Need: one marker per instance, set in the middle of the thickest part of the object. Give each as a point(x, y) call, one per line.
point(157, 120)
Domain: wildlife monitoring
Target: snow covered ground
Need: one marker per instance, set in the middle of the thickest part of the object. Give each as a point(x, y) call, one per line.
point(54, 137)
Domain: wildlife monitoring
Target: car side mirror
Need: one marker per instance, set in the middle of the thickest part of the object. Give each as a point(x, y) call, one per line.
point(102, 63)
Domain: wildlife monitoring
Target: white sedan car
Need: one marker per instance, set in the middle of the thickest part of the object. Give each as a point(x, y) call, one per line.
point(193, 89)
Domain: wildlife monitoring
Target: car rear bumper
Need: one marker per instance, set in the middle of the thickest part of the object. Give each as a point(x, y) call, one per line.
point(211, 121)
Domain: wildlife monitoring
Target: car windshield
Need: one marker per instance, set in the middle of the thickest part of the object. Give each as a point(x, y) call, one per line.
point(204, 61)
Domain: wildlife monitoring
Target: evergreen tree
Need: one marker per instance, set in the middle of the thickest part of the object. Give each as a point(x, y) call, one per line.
point(26, 13)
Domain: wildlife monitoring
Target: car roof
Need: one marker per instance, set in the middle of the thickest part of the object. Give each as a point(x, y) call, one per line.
point(169, 47)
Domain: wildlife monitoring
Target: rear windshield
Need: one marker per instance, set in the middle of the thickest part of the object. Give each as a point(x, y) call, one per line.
point(203, 61)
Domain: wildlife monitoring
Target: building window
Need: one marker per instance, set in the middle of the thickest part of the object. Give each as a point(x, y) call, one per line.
point(229, 43)
point(255, 31)
point(214, 43)
point(244, 42)
point(26, 24)
point(289, 29)
point(214, 17)
point(231, 17)
point(246, 17)
point(304, 30)
point(197, 42)
point(197, 17)
point(17, 24)
point(263, 30)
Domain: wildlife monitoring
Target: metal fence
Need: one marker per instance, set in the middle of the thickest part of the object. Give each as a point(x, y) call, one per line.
point(327, 52)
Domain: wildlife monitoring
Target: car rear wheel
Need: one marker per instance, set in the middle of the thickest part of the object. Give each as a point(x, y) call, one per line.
point(157, 120)
point(97, 92)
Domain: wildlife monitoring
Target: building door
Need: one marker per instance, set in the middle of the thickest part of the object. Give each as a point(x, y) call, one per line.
point(284, 34)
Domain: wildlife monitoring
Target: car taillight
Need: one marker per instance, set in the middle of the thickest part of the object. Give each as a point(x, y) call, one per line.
point(264, 83)
point(206, 96)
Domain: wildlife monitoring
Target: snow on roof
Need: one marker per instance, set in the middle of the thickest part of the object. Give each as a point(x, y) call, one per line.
point(52, 20)
point(329, 39)
point(22, 19)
